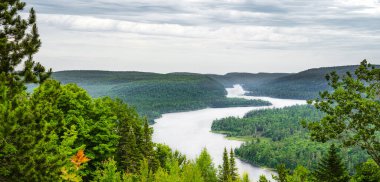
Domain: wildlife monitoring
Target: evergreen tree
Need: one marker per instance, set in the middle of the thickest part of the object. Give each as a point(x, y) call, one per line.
point(367, 172)
point(300, 174)
point(224, 171)
point(233, 170)
point(19, 41)
point(331, 168)
point(128, 151)
point(206, 166)
point(108, 172)
point(148, 147)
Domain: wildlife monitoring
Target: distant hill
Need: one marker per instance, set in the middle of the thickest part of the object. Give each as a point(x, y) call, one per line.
point(303, 85)
point(154, 94)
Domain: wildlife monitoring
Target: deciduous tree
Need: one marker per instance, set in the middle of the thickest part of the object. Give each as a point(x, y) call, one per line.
point(352, 110)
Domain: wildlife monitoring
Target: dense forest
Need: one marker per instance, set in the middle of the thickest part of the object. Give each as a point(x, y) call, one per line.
point(154, 94)
point(277, 137)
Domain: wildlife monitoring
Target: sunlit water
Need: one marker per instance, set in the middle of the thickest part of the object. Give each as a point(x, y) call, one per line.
point(189, 132)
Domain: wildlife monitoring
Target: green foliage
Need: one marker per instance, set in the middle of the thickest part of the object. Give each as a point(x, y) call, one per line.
point(145, 173)
point(331, 168)
point(367, 172)
point(233, 170)
point(206, 166)
point(300, 174)
point(108, 172)
point(19, 41)
point(191, 173)
point(63, 119)
point(228, 171)
point(352, 110)
point(224, 170)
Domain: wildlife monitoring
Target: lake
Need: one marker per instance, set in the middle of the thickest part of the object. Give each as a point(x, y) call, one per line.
point(190, 132)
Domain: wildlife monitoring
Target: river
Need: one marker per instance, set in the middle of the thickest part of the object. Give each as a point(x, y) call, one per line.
point(189, 132)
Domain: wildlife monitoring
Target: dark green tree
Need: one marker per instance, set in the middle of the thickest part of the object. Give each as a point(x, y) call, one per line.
point(331, 167)
point(129, 154)
point(233, 169)
point(19, 41)
point(352, 110)
point(224, 170)
point(147, 147)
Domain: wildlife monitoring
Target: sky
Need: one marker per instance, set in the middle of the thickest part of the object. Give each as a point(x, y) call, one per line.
point(206, 36)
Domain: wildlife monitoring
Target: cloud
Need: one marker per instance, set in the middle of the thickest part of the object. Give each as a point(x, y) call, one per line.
point(330, 26)
point(234, 32)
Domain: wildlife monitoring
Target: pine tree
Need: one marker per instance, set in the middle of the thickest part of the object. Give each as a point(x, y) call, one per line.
point(224, 171)
point(128, 152)
point(331, 168)
point(367, 172)
point(19, 41)
point(233, 170)
point(148, 147)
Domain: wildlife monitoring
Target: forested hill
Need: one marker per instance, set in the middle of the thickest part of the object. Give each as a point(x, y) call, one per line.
point(303, 85)
point(154, 94)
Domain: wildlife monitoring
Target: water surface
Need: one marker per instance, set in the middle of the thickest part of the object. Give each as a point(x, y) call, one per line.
point(189, 132)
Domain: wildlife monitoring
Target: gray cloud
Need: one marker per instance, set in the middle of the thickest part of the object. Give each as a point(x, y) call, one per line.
point(244, 26)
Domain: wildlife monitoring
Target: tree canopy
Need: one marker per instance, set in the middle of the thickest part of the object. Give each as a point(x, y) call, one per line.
point(352, 110)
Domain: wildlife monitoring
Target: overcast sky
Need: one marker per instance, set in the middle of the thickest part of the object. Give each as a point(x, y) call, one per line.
point(207, 36)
